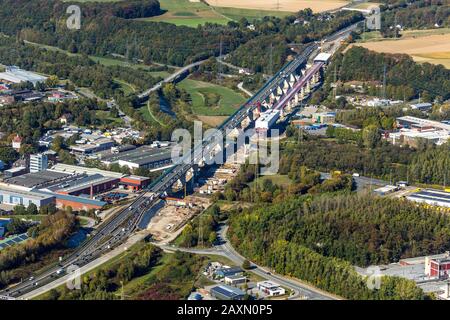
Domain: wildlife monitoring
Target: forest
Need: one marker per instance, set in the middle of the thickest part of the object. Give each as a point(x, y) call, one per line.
point(106, 28)
point(269, 51)
point(426, 79)
point(80, 70)
point(160, 276)
point(319, 238)
point(419, 14)
point(49, 235)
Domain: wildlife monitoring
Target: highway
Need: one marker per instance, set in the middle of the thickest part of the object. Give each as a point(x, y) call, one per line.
point(225, 249)
point(115, 231)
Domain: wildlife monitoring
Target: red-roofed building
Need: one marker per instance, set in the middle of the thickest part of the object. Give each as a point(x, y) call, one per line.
point(135, 183)
point(17, 142)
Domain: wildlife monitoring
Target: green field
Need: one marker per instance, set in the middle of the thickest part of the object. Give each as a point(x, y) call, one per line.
point(191, 14)
point(107, 119)
point(281, 180)
point(210, 99)
point(148, 115)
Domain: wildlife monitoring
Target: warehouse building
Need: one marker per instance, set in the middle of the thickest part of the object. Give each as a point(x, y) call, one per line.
point(437, 268)
point(421, 124)
point(93, 147)
point(225, 292)
point(16, 75)
point(83, 184)
point(145, 157)
point(19, 196)
point(134, 183)
point(38, 179)
point(431, 197)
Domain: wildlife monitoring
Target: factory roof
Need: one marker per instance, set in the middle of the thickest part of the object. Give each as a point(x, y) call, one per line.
point(141, 155)
point(26, 194)
point(431, 196)
point(71, 169)
point(36, 179)
point(73, 198)
point(228, 291)
point(425, 122)
point(17, 75)
point(81, 182)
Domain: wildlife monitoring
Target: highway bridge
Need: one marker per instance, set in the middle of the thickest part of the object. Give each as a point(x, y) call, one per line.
point(117, 229)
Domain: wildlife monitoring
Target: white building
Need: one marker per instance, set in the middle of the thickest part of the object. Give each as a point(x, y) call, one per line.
point(267, 120)
point(38, 162)
point(14, 74)
point(270, 288)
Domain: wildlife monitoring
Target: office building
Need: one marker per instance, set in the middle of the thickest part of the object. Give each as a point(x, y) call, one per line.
point(38, 162)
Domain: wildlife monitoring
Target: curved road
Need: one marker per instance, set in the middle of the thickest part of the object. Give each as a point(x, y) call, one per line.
point(226, 250)
point(170, 78)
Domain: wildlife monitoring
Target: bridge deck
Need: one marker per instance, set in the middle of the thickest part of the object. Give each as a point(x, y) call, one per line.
point(301, 83)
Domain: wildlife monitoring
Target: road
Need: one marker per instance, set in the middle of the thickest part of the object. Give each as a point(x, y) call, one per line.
point(119, 228)
point(241, 87)
point(170, 78)
point(225, 249)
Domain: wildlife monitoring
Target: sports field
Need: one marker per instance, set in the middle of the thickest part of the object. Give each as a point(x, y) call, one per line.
point(431, 46)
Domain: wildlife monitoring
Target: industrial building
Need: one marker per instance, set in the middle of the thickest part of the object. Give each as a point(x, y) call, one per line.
point(19, 196)
point(14, 74)
point(235, 280)
point(134, 183)
point(38, 162)
point(93, 147)
point(225, 292)
point(437, 268)
point(385, 190)
point(270, 288)
point(431, 197)
point(227, 272)
point(14, 172)
point(76, 203)
point(38, 180)
point(425, 106)
point(411, 137)
point(145, 157)
point(324, 117)
point(413, 129)
point(421, 124)
point(267, 120)
point(83, 184)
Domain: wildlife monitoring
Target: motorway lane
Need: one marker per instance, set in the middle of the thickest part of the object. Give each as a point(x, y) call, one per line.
point(93, 247)
point(88, 251)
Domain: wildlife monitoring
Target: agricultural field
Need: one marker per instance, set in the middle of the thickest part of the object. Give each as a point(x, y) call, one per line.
point(192, 13)
point(281, 5)
point(432, 46)
point(210, 99)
